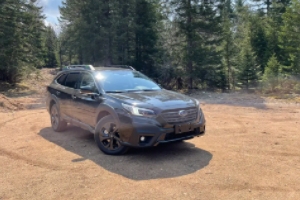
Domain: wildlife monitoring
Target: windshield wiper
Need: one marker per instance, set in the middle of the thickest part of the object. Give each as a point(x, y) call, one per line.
point(146, 90)
point(141, 90)
point(130, 90)
point(115, 91)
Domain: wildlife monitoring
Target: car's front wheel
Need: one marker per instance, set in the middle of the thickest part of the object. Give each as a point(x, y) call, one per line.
point(106, 137)
point(57, 124)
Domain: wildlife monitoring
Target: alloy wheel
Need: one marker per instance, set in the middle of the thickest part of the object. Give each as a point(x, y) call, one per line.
point(108, 137)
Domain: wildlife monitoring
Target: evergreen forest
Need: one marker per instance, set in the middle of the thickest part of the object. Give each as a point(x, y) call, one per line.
point(182, 44)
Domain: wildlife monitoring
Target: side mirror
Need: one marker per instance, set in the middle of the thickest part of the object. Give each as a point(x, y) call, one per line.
point(95, 96)
point(92, 95)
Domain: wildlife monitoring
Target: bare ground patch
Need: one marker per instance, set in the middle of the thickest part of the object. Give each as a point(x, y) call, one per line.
point(250, 151)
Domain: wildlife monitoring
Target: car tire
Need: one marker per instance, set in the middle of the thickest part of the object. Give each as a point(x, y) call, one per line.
point(106, 137)
point(57, 123)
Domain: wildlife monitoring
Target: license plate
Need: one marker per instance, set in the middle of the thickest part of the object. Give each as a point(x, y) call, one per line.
point(183, 128)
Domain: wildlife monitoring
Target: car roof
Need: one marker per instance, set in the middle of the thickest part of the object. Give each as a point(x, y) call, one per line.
point(111, 69)
point(78, 65)
point(97, 69)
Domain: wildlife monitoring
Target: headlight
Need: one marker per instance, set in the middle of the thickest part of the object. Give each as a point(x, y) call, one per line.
point(138, 111)
point(197, 103)
point(199, 110)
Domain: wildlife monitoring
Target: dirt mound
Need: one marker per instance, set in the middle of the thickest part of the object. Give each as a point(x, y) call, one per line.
point(28, 94)
point(8, 104)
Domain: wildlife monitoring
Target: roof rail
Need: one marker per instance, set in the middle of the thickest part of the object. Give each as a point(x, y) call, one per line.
point(87, 67)
point(121, 66)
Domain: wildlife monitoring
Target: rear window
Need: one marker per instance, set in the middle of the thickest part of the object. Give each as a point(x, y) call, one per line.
point(73, 80)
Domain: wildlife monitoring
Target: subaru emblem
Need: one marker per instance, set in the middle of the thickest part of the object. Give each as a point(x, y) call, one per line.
point(182, 113)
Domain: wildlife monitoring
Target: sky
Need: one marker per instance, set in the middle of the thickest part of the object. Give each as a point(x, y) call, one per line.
point(51, 11)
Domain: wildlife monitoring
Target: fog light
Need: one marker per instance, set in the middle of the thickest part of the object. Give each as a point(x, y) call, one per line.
point(142, 139)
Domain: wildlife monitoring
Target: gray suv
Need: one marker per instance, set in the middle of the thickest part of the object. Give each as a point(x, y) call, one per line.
point(123, 108)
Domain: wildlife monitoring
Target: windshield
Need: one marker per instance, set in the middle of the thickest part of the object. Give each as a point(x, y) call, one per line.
point(125, 81)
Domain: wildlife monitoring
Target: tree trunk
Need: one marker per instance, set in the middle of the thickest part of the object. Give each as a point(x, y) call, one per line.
point(228, 65)
point(268, 2)
point(189, 45)
point(108, 59)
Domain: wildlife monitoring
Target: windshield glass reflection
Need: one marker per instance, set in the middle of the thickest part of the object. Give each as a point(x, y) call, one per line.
point(125, 81)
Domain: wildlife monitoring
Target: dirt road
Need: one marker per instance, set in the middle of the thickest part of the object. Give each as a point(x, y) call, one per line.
point(248, 153)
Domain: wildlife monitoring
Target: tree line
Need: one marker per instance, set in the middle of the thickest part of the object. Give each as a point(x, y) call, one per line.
point(25, 42)
point(206, 44)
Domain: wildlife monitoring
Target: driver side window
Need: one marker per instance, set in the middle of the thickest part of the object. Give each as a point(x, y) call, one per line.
point(87, 84)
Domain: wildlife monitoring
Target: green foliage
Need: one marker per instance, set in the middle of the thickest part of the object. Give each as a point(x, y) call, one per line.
point(109, 32)
point(50, 48)
point(290, 37)
point(273, 68)
point(198, 31)
point(180, 43)
point(260, 41)
point(248, 68)
point(273, 74)
point(21, 27)
point(228, 48)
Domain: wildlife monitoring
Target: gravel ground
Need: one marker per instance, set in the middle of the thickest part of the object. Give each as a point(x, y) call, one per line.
point(248, 152)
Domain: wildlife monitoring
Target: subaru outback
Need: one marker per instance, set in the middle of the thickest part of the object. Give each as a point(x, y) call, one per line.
point(123, 108)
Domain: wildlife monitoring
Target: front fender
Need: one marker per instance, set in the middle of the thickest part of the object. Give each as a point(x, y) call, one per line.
point(108, 109)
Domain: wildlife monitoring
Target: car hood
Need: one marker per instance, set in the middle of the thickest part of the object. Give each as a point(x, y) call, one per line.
point(161, 99)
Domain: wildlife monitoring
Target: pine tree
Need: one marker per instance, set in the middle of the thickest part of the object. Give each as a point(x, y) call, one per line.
point(146, 35)
point(260, 42)
point(290, 38)
point(109, 32)
point(198, 26)
point(227, 46)
point(50, 47)
point(273, 68)
point(272, 72)
point(248, 69)
point(21, 27)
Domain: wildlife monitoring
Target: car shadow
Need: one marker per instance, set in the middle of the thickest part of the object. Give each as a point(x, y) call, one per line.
point(163, 161)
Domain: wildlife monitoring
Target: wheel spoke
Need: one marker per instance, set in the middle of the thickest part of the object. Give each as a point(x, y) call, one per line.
point(112, 128)
point(103, 137)
point(111, 144)
point(106, 144)
point(53, 120)
point(54, 117)
point(107, 137)
point(118, 143)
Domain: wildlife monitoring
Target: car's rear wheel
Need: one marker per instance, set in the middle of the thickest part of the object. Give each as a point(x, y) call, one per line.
point(57, 124)
point(106, 137)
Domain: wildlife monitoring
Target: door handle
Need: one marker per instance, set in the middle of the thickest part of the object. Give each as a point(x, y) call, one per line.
point(74, 96)
point(57, 92)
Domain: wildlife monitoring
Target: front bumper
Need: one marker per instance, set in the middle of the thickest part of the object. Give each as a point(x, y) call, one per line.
point(131, 129)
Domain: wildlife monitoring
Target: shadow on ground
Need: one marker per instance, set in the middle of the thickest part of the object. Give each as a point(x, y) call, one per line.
point(164, 161)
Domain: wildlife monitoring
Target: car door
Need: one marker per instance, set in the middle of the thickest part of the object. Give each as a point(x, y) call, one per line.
point(57, 89)
point(87, 99)
point(71, 84)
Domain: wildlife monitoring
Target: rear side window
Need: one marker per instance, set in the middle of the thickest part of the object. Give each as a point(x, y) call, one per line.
point(62, 79)
point(73, 80)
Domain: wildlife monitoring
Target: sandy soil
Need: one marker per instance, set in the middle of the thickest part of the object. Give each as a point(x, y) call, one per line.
point(248, 153)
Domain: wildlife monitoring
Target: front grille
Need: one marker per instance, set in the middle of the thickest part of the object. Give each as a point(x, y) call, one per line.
point(173, 117)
